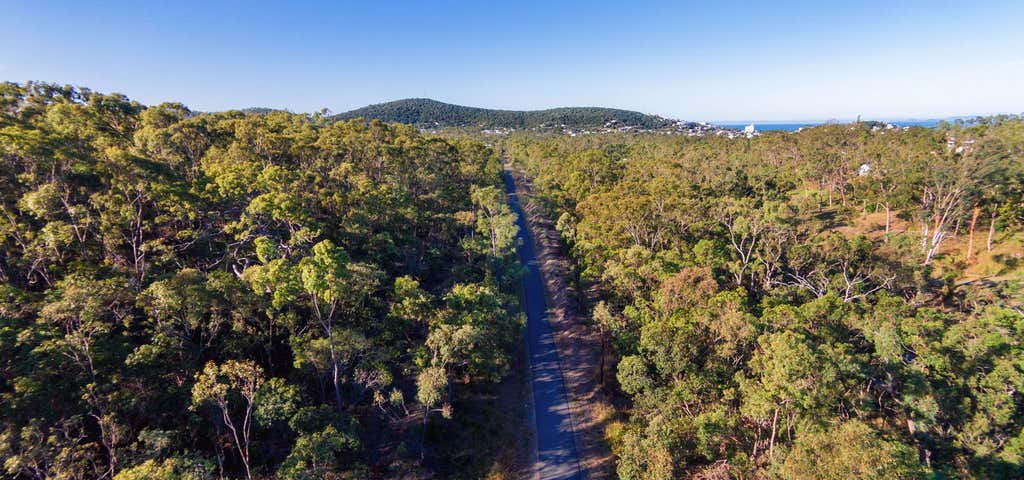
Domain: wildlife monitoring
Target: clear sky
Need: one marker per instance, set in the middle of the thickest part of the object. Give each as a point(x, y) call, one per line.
point(709, 60)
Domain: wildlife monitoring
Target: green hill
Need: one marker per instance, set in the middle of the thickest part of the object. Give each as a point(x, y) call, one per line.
point(424, 112)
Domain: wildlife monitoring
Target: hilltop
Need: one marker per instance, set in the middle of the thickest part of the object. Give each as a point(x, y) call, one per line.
point(427, 113)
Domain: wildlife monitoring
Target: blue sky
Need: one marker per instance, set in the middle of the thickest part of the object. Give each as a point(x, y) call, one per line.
point(709, 60)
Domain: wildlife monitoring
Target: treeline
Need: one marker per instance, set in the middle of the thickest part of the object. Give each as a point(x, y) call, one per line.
point(426, 113)
point(843, 302)
point(240, 295)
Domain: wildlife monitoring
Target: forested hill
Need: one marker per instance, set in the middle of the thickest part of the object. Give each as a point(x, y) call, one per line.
point(424, 112)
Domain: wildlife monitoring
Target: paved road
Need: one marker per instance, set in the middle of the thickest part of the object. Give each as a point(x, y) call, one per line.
point(557, 458)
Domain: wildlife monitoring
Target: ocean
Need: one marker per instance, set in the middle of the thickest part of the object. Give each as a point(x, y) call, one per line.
point(792, 127)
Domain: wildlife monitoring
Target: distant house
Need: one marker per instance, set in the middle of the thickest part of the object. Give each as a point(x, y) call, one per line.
point(957, 146)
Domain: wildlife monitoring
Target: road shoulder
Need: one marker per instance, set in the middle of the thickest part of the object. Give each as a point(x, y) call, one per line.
point(578, 345)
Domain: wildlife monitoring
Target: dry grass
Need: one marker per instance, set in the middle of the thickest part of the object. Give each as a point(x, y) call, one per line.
point(1004, 262)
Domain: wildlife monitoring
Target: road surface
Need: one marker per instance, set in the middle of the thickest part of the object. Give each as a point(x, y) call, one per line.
point(556, 458)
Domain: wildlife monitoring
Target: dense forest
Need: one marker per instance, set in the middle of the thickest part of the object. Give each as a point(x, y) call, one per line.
point(842, 302)
point(246, 295)
point(262, 294)
point(426, 113)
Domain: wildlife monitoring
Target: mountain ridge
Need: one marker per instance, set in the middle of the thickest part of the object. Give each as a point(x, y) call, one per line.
point(429, 113)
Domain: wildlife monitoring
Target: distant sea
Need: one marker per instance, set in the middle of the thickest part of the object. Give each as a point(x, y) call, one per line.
point(792, 127)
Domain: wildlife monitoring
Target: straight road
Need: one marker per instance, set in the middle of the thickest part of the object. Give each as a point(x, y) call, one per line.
point(557, 458)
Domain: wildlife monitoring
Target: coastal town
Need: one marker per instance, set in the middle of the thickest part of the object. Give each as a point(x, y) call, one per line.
point(670, 127)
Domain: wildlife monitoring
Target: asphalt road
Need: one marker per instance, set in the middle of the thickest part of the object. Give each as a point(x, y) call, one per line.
point(556, 457)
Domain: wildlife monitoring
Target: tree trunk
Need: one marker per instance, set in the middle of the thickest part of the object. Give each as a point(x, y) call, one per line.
point(775, 424)
point(992, 228)
point(757, 442)
point(888, 218)
point(494, 243)
point(327, 324)
point(242, 451)
point(106, 436)
point(423, 434)
point(334, 373)
point(924, 236)
point(578, 280)
point(970, 236)
point(245, 461)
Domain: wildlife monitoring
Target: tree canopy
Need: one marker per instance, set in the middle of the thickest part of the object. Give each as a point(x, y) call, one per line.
point(817, 304)
point(240, 294)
